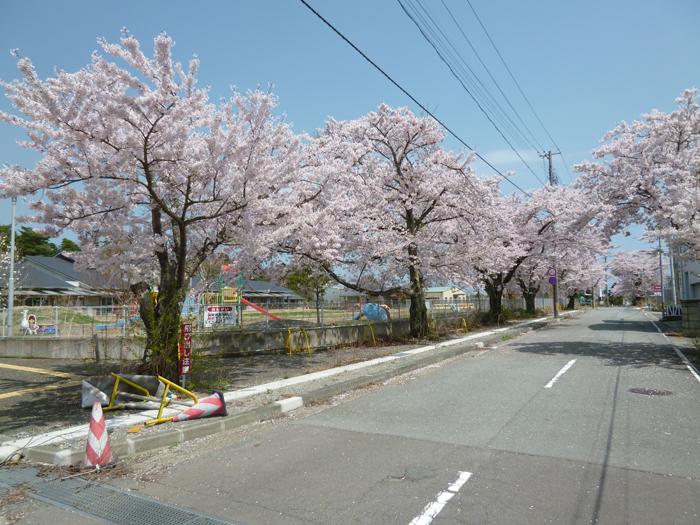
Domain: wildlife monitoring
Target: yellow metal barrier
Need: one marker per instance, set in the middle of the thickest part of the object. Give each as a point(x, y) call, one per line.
point(371, 331)
point(289, 341)
point(147, 396)
point(306, 337)
point(296, 344)
point(164, 400)
point(115, 391)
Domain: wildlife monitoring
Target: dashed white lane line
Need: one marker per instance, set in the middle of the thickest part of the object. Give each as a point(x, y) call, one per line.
point(560, 373)
point(685, 360)
point(433, 508)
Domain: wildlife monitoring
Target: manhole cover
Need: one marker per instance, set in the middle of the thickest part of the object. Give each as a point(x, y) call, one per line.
point(650, 392)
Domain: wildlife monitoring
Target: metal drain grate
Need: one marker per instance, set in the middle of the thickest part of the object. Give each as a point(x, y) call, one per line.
point(101, 501)
point(650, 392)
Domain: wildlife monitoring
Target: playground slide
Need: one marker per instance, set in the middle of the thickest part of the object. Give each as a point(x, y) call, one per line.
point(261, 310)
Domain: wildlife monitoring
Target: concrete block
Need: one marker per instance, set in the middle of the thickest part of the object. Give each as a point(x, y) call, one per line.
point(268, 411)
point(67, 457)
point(239, 420)
point(205, 428)
point(289, 404)
point(119, 449)
point(41, 454)
point(155, 441)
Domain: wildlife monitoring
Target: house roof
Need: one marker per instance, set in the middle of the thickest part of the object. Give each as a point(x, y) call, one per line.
point(267, 288)
point(257, 288)
point(58, 276)
point(438, 289)
point(339, 292)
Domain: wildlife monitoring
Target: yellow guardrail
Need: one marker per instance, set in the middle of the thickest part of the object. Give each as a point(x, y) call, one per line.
point(163, 400)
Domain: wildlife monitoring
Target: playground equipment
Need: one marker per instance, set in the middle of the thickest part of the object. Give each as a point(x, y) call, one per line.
point(260, 309)
point(223, 307)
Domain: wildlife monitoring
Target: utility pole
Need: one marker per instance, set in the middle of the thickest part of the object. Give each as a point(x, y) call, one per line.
point(673, 273)
point(607, 294)
point(661, 277)
point(555, 285)
point(11, 280)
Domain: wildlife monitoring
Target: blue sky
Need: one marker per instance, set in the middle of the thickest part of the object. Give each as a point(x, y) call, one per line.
point(584, 65)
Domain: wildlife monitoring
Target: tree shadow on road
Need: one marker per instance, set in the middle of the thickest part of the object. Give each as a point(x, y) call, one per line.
point(43, 411)
point(624, 326)
point(611, 354)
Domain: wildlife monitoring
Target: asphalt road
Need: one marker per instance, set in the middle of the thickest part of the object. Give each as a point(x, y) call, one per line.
point(545, 428)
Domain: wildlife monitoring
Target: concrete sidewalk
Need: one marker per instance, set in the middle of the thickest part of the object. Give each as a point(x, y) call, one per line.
point(257, 401)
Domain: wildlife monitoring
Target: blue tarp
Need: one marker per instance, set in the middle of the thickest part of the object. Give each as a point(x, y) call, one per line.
point(373, 312)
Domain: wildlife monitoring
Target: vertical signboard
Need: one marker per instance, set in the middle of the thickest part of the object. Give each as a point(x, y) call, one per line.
point(185, 353)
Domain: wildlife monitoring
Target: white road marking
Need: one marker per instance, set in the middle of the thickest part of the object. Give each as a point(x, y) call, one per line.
point(560, 373)
point(433, 508)
point(685, 360)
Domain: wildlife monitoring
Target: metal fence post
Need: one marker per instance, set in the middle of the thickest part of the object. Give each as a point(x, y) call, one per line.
point(55, 321)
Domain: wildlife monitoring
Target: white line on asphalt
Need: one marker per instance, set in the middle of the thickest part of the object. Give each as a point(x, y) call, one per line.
point(433, 508)
point(685, 360)
point(560, 373)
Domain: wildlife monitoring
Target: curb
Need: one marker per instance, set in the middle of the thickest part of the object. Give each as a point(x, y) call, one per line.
point(176, 436)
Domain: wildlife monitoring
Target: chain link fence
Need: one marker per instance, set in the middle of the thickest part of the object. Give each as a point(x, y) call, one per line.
point(124, 320)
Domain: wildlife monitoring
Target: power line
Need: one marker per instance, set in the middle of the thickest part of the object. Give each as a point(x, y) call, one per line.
point(493, 79)
point(461, 82)
point(415, 101)
point(520, 89)
point(458, 61)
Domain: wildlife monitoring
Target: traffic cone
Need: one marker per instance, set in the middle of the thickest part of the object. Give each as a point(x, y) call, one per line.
point(213, 405)
point(98, 453)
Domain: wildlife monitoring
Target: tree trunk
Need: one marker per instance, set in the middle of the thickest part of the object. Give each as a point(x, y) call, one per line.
point(495, 292)
point(571, 305)
point(318, 306)
point(163, 331)
point(418, 313)
point(529, 297)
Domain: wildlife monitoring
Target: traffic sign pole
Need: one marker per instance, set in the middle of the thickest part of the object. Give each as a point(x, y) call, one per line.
point(555, 291)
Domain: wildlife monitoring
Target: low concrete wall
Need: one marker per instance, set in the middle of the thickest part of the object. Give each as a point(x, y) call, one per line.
point(93, 348)
point(232, 342)
point(244, 341)
point(691, 317)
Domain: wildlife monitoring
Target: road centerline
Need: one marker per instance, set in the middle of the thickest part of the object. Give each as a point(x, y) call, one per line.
point(433, 508)
point(560, 373)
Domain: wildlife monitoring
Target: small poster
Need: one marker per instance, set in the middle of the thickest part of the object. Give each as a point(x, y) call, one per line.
point(221, 315)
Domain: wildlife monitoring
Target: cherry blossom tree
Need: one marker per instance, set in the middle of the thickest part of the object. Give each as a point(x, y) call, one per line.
point(522, 237)
point(530, 277)
point(581, 273)
point(635, 274)
point(387, 194)
point(152, 176)
point(649, 172)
